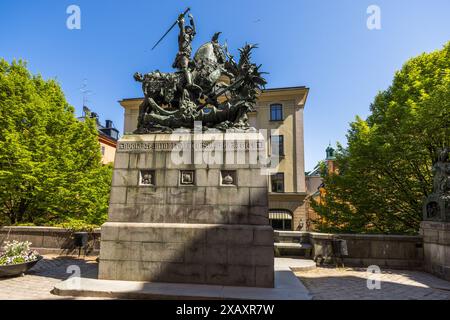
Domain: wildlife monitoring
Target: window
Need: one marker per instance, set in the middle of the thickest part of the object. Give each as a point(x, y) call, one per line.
point(277, 181)
point(277, 144)
point(276, 112)
point(103, 150)
point(280, 219)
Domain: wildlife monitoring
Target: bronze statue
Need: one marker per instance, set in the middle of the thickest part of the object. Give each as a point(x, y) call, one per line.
point(437, 204)
point(212, 87)
point(441, 171)
point(183, 58)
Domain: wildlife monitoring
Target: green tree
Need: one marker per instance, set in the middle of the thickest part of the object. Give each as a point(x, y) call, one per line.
point(50, 163)
point(385, 172)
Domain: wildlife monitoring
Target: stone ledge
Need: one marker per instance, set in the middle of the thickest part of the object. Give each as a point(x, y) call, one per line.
point(288, 245)
point(435, 225)
point(37, 229)
point(296, 234)
point(67, 252)
point(159, 291)
point(369, 237)
point(185, 226)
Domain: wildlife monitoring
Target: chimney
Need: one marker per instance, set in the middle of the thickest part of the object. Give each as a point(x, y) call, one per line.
point(109, 124)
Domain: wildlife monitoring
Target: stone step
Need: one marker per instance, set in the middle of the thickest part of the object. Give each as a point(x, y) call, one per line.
point(291, 245)
point(287, 287)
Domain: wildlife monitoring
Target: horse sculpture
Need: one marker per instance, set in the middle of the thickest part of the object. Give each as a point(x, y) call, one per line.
point(225, 91)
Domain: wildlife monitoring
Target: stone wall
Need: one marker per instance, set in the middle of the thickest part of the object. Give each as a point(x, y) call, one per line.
point(49, 240)
point(193, 253)
point(397, 252)
point(436, 237)
point(385, 251)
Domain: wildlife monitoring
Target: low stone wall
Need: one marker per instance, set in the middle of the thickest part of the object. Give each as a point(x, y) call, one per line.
point(388, 251)
point(396, 252)
point(49, 240)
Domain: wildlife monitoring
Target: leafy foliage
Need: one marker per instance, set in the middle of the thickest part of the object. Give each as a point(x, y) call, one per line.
point(385, 172)
point(50, 169)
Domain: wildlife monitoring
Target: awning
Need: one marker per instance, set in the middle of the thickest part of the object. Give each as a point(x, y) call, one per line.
point(280, 215)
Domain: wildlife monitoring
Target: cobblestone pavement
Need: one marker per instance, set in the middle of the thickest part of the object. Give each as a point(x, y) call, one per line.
point(39, 281)
point(351, 284)
point(323, 283)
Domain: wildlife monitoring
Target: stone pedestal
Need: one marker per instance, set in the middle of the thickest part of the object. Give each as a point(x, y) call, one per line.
point(195, 212)
point(436, 238)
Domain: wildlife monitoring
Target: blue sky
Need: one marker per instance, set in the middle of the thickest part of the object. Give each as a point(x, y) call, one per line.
point(322, 44)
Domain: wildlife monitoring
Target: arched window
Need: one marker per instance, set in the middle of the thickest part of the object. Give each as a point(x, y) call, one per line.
point(276, 112)
point(280, 219)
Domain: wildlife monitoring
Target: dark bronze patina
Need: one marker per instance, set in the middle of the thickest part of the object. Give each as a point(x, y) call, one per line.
point(437, 204)
point(211, 87)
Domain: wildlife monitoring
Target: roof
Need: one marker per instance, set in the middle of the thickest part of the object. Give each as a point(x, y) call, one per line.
point(103, 131)
point(284, 88)
point(315, 173)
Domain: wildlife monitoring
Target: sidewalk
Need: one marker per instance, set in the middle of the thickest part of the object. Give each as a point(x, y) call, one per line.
point(351, 284)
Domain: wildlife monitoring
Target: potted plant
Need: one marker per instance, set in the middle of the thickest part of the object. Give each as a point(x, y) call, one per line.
point(17, 258)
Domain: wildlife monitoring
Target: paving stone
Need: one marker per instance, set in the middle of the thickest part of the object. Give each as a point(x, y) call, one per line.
point(39, 281)
point(351, 284)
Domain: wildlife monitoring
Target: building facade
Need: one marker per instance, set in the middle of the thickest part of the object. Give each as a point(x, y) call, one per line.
point(108, 146)
point(280, 112)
